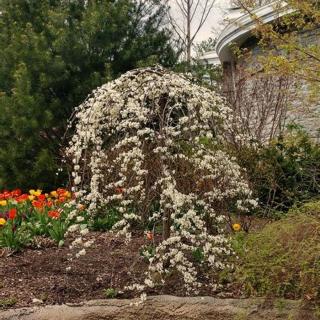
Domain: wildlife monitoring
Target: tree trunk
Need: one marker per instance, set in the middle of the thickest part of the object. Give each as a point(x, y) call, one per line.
point(189, 44)
point(166, 226)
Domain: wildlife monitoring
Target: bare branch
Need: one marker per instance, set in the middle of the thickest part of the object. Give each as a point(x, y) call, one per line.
point(189, 10)
point(205, 13)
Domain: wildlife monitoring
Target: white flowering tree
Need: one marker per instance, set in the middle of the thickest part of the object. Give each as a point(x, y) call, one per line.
point(150, 146)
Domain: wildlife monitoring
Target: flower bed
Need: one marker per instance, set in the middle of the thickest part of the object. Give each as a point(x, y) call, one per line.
point(23, 216)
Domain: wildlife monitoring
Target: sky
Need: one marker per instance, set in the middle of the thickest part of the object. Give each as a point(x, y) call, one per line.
point(214, 22)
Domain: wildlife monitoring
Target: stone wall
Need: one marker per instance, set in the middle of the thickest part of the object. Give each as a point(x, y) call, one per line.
point(300, 107)
point(168, 308)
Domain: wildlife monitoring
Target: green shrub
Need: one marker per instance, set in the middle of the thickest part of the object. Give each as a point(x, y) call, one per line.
point(110, 293)
point(104, 220)
point(6, 303)
point(282, 260)
point(285, 172)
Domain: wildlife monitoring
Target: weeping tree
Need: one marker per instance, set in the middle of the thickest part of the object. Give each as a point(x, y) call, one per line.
point(149, 146)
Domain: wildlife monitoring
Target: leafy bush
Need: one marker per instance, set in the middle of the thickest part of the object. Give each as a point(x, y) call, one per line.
point(282, 260)
point(104, 220)
point(110, 293)
point(283, 173)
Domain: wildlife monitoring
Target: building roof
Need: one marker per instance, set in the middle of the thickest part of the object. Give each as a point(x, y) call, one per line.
point(210, 58)
point(240, 26)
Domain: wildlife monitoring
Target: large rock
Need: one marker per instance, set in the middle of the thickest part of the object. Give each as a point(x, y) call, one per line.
point(166, 308)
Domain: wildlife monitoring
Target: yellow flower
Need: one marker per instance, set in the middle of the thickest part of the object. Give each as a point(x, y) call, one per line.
point(54, 194)
point(3, 202)
point(236, 227)
point(37, 193)
point(2, 222)
point(32, 191)
point(31, 198)
point(67, 194)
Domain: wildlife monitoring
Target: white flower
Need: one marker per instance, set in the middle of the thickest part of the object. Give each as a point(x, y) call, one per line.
point(85, 231)
point(137, 155)
point(81, 253)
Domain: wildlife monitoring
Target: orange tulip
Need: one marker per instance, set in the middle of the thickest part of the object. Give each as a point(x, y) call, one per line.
point(54, 214)
point(61, 199)
point(38, 204)
point(149, 235)
point(49, 204)
point(22, 198)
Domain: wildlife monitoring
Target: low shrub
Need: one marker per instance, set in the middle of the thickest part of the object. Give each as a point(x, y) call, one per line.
point(284, 173)
point(310, 208)
point(282, 260)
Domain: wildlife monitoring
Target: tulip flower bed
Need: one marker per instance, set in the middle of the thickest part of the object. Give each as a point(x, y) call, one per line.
point(35, 247)
point(26, 216)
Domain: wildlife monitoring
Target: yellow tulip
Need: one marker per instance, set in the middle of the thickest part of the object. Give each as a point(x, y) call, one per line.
point(32, 191)
point(2, 222)
point(67, 194)
point(236, 227)
point(3, 202)
point(37, 193)
point(54, 194)
point(31, 198)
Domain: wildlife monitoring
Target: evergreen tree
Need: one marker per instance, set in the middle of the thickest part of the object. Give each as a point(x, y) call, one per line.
point(52, 54)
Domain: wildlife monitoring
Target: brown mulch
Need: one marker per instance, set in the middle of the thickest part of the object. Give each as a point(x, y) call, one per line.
point(42, 273)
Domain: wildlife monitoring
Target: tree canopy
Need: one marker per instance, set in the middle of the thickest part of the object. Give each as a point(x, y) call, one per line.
point(52, 54)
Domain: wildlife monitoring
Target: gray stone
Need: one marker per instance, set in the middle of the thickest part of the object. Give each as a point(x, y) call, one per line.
point(165, 308)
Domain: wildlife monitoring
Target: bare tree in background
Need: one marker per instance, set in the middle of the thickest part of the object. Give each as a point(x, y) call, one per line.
point(260, 104)
point(193, 15)
point(251, 3)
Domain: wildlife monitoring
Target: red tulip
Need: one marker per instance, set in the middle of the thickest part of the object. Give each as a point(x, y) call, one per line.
point(12, 213)
point(16, 193)
point(54, 214)
point(23, 197)
point(38, 204)
point(41, 197)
